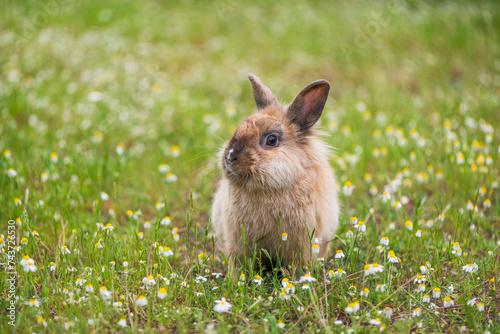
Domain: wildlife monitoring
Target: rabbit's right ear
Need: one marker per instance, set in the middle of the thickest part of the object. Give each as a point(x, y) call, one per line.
point(261, 93)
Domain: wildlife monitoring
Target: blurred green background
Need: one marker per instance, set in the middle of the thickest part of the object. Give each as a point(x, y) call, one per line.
point(116, 88)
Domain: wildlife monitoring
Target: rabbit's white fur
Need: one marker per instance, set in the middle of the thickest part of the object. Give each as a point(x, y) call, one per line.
point(292, 181)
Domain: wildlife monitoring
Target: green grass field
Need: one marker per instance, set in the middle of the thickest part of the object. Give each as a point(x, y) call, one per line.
point(113, 113)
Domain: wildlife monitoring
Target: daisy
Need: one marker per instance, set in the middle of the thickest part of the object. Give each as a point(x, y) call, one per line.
point(200, 279)
point(257, 280)
point(397, 205)
point(44, 177)
point(380, 288)
point(163, 168)
point(89, 288)
point(33, 302)
point(315, 249)
point(339, 254)
point(11, 172)
point(122, 322)
point(373, 190)
point(281, 325)
point(176, 237)
point(418, 234)
point(388, 312)
point(18, 202)
point(480, 307)
point(149, 280)
point(470, 268)
point(352, 307)
point(162, 293)
point(361, 226)
point(120, 149)
point(104, 196)
point(447, 301)
point(386, 197)
point(368, 269)
point(384, 241)
point(175, 151)
point(471, 302)
point(171, 177)
point(283, 296)
point(409, 225)
point(348, 188)
point(165, 221)
point(117, 304)
point(416, 312)
point(80, 281)
point(419, 279)
point(487, 203)
point(436, 292)
point(141, 301)
point(354, 220)
point(364, 292)
point(52, 266)
point(147, 225)
point(140, 235)
point(375, 322)
point(392, 257)
point(349, 234)
point(426, 299)
point(284, 236)
point(222, 306)
point(105, 293)
point(202, 257)
point(30, 266)
point(307, 278)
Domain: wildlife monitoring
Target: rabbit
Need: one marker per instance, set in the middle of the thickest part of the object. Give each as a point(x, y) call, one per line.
point(276, 179)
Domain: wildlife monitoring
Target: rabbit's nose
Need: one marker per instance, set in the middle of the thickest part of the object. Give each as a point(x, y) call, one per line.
point(231, 156)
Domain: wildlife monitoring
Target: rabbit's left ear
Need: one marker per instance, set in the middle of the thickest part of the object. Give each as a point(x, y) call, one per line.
point(307, 107)
point(261, 93)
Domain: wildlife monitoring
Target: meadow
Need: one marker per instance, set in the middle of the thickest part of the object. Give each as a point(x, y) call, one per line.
point(111, 117)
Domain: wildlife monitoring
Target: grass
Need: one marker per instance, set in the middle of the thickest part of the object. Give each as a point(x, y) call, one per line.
point(115, 89)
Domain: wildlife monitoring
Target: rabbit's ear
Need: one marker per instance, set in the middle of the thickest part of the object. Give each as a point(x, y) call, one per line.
point(261, 93)
point(307, 106)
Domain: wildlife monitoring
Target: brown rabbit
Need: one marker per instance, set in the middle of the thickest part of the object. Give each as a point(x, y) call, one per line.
point(276, 179)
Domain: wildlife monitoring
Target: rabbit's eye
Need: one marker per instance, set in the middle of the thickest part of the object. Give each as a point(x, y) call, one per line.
point(271, 140)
